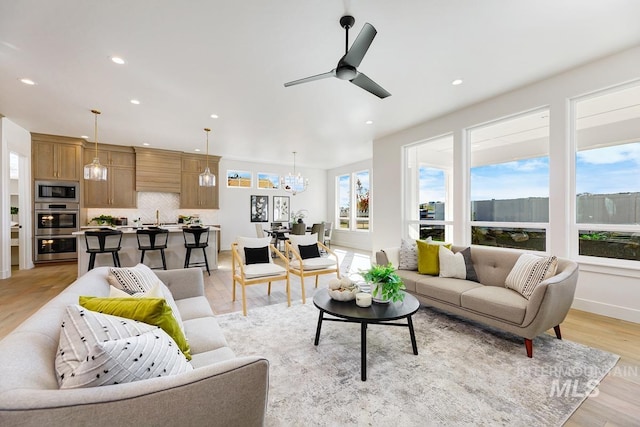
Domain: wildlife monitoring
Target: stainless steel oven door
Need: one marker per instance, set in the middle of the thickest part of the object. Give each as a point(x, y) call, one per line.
point(53, 222)
point(56, 248)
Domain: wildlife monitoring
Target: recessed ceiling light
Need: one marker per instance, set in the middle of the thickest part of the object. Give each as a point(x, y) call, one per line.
point(146, 144)
point(369, 122)
point(214, 116)
point(84, 137)
point(456, 82)
point(28, 81)
point(135, 101)
point(197, 149)
point(118, 60)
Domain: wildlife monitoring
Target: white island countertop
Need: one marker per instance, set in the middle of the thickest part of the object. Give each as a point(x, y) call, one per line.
point(130, 255)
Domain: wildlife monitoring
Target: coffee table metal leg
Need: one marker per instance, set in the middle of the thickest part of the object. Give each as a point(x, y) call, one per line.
point(318, 328)
point(363, 341)
point(413, 335)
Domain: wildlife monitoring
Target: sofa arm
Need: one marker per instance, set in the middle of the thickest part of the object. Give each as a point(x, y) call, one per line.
point(183, 282)
point(388, 255)
point(229, 393)
point(552, 298)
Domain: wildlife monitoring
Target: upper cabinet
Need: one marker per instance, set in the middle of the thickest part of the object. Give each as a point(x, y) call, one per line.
point(192, 196)
point(119, 190)
point(157, 170)
point(56, 157)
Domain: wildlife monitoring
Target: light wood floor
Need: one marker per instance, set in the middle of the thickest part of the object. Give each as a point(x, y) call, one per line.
point(617, 404)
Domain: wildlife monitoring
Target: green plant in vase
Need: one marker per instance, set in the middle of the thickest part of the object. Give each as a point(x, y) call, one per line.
point(386, 285)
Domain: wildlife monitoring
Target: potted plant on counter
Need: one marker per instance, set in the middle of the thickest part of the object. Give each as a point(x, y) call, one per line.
point(385, 283)
point(103, 220)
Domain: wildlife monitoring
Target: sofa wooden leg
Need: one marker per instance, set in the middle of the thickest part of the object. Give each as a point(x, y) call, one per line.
point(529, 345)
point(557, 331)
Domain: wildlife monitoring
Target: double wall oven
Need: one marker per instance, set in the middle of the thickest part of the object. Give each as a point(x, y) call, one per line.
point(56, 216)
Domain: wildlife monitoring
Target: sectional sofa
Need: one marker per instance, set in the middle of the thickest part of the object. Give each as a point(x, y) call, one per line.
point(488, 301)
point(221, 389)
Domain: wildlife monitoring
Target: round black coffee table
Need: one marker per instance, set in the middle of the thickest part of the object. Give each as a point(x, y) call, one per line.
point(383, 314)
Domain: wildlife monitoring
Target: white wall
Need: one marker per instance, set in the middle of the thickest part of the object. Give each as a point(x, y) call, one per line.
point(352, 239)
point(235, 202)
point(609, 291)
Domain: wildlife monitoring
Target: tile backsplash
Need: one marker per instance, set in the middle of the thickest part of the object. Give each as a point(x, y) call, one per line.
point(168, 205)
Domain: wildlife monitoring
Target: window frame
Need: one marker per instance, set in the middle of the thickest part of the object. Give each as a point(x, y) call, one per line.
point(353, 217)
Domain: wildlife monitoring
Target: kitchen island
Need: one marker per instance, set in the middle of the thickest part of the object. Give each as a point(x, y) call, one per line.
point(130, 255)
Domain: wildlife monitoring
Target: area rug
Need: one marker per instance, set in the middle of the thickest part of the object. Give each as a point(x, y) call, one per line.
point(464, 374)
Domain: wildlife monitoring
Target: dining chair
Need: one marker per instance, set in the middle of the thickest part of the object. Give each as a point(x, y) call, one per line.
point(319, 230)
point(299, 228)
point(304, 252)
point(328, 230)
point(252, 264)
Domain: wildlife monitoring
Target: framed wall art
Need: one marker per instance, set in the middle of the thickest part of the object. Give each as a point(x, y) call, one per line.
point(281, 209)
point(239, 179)
point(259, 208)
point(269, 181)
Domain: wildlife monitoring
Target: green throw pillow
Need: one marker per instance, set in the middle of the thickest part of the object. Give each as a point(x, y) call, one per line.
point(428, 259)
point(154, 311)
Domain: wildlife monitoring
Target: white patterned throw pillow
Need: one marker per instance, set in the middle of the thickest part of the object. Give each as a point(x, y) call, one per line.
point(148, 355)
point(409, 254)
point(529, 271)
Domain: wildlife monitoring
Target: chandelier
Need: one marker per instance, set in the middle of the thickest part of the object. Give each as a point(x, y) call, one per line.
point(207, 179)
point(294, 183)
point(94, 171)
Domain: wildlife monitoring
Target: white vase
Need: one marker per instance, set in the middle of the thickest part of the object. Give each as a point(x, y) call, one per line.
point(376, 293)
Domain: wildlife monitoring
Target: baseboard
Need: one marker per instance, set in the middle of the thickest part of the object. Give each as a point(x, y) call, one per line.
point(609, 310)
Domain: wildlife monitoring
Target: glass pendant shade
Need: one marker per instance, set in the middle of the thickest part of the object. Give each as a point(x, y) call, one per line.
point(206, 178)
point(292, 182)
point(94, 171)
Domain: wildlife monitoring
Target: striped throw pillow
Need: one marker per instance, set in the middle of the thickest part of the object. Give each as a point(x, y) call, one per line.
point(529, 271)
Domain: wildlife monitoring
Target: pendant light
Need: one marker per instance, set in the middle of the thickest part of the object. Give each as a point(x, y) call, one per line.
point(294, 183)
point(94, 171)
point(207, 179)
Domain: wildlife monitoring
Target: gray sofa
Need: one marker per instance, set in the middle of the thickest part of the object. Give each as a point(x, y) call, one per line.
point(222, 389)
point(489, 301)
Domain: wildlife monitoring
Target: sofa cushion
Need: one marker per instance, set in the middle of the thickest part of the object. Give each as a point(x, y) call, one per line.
point(428, 259)
point(194, 307)
point(451, 265)
point(410, 278)
point(82, 328)
point(210, 357)
point(309, 251)
point(148, 355)
point(444, 289)
point(154, 311)
point(468, 262)
point(256, 255)
point(496, 302)
point(529, 271)
point(252, 271)
point(133, 279)
point(204, 334)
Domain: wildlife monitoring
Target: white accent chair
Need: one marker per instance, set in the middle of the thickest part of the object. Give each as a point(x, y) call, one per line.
point(253, 267)
point(303, 265)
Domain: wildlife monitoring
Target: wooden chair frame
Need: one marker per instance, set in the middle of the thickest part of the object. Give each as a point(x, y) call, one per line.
point(302, 273)
point(237, 267)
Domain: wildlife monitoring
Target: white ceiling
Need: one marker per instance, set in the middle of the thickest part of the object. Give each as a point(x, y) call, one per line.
point(189, 59)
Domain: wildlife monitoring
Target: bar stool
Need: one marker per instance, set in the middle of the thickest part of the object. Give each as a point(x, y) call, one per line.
point(194, 238)
point(103, 241)
point(153, 239)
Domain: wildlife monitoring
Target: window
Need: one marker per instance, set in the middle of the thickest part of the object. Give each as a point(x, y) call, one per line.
point(607, 174)
point(353, 190)
point(429, 171)
point(344, 202)
point(509, 182)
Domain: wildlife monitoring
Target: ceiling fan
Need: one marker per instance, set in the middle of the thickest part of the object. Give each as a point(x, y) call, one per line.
point(348, 64)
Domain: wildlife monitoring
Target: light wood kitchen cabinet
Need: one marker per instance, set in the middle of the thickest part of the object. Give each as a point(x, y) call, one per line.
point(192, 196)
point(119, 190)
point(56, 157)
point(157, 170)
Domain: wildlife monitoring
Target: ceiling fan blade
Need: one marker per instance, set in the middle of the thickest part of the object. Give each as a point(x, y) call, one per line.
point(360, 46)
point(369, 85)
point(331, 73)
